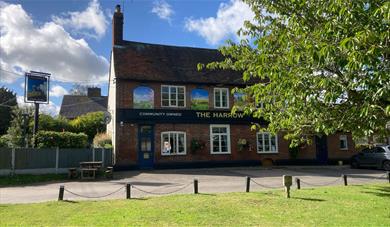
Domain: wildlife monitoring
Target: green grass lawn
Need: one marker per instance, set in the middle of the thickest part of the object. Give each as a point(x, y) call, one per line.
point(23, 179)
point(367, 205)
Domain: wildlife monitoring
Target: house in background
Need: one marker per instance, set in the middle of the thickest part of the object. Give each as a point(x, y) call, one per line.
point(73, 106)
point(166, 113)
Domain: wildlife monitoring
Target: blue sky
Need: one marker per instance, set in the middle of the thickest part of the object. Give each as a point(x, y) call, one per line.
point(72, 39)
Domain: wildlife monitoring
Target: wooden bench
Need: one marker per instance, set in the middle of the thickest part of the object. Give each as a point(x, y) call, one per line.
point(88, 173)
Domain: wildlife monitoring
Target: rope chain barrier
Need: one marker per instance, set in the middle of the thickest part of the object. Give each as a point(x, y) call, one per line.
point(94, 197)
point(266, 186)
point(160, 193)
point(381, 177)
point(325, 184)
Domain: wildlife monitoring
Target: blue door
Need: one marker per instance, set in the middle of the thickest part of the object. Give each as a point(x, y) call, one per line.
point(321, 149)
point(145, 146)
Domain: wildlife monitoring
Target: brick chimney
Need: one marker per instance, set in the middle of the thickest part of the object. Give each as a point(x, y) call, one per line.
point(94, 92)
point(117, 26)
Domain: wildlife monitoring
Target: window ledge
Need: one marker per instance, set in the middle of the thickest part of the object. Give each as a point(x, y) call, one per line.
point(274, 152)
point(220, 153)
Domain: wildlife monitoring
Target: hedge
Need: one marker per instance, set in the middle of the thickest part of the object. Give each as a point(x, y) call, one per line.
point(50, 139)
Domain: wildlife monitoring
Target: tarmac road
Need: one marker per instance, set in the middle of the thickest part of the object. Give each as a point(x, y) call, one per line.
point(165, 182)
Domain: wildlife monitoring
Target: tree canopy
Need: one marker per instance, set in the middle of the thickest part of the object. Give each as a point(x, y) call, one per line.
point(7, 101)
point(318, 66)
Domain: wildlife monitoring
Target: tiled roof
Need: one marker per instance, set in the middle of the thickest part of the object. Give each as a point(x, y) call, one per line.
point(75, 105)
point(162, 63)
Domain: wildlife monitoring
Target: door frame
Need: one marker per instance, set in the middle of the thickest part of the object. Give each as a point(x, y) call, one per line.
point(321, 149)
point(144, 163)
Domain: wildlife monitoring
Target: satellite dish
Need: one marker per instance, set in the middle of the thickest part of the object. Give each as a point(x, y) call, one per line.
point(107, 117)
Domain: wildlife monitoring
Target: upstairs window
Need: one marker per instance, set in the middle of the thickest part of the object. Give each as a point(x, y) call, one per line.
point(221, 98)
point(173, 96)
point(143, 98)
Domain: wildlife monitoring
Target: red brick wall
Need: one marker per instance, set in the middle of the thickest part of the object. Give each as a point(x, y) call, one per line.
point(334, 151)
point(125, 94)
point(127, 144)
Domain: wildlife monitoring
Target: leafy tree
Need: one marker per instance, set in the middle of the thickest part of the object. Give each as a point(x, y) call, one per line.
point(90, 124)
point(7, 101)
point(16, 132)
point(318, 66)
point(49, 123)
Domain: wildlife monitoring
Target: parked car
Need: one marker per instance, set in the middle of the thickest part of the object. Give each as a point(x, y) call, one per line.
point(378, 157)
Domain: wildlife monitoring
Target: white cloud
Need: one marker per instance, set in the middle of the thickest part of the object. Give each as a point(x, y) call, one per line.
point(229, 19)
point(163, 10)
point(92, 18)
point(48, 48)
point(51, 108)
point(58, 91)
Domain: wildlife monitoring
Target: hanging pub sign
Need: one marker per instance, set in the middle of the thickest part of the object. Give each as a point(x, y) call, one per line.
point(36, 87)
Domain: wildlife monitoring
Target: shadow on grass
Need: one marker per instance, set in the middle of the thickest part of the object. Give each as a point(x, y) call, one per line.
point(68, 201)
point(309, 199)
point(381, 191)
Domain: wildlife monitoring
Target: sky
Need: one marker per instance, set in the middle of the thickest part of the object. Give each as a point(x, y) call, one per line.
point(71, 39)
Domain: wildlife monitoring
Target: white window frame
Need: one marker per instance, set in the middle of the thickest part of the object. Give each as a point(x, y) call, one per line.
point(177, 96)
point(228, 139)
point(345, 138)
point(177, 143)
point(227, 97)
point(269, 143)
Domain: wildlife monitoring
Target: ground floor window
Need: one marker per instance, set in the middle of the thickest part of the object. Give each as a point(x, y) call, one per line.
point(220, 139)
point(267, 143)
point(343, 142)
point(173, 143)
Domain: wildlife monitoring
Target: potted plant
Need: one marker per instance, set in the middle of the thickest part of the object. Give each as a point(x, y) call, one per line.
point(242, 144)
point(196, 145)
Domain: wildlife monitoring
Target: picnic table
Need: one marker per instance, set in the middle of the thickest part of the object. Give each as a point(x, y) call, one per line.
point(88, 169)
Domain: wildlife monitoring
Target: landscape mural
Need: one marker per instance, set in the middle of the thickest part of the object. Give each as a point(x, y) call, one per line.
point(199, 99)
point(143, 98)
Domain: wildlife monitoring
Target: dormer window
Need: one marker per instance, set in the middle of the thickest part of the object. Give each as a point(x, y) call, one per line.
point(221, 98)
point(173, 96)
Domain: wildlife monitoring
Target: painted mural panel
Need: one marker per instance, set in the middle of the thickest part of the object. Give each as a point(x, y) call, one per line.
point(143, 98)
point(199, 99)
point(239, 99)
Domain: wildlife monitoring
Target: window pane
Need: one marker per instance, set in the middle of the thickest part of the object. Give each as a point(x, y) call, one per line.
point(165, 103)
point(260, 143)
point(273, 143)
point(180, 90)
point(224, 98)
point(164, 89)
point(266, 142)
point(224, 145)
point(146, 144)
point(146, 129)
point(172, 140)
point(217, 98)
point(181, 143)
point(215, 143)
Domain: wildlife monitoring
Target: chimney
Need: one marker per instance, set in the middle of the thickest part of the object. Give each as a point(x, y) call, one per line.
point(117, 26)
point(94, 92)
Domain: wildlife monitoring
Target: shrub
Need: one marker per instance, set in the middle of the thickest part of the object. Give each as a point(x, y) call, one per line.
point(102, 140)
point(90, 124)
point(49, 139)
point(4, 141)
point(49, 123)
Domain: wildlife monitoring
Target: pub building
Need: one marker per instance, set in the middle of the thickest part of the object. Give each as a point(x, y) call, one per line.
point(167, 114)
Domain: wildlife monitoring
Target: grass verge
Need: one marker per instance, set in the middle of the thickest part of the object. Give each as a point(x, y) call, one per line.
point(363, 205)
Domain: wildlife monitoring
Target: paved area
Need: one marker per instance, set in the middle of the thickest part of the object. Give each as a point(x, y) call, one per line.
point(213, 180)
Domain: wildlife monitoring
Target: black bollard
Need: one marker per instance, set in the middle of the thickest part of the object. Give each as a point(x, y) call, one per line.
point(128, 191)
point(248, 183)
point(388, 176)
point(345, 180)
point(61, 193)
point(195, 186)
point(298, 181)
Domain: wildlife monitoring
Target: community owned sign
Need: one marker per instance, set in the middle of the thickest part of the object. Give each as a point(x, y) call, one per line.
point(183, 116)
